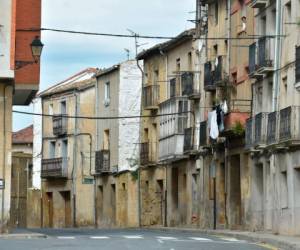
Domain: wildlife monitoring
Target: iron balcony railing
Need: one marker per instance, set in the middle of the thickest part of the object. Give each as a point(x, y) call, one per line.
point(203, 133)
point(264, 51)
point(102, 163)
point(188, 84)
point(60, 124)
point(252, 58)
point(148, 153)
point(209, 83)
point(297, 71)
point(54, 168)
point(188, 143)
point(271, 128)
point(151, 96)
point(289, 123)
point(260, 129)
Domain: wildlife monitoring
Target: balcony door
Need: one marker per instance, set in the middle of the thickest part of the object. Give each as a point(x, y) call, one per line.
point(63, 107)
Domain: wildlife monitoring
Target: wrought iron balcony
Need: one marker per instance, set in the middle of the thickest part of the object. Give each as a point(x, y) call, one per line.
point(219, 73)
point(148, 153)
point(188, 85)
point(188, 142)
point(209, 83)
point(60, 125)
point(249, 133)
point(271, 128)
point(151, 96)
point(54, 168)
point(258, 3)
point(102, 163)
point(289, 124)
point(260, 129)
point(203, 133)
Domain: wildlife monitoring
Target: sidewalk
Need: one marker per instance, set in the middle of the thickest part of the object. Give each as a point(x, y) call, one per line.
point(22, 234)
point(277, 241)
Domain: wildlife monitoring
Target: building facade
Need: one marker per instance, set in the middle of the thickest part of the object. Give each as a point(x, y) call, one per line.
point(118, 96)
point(273, 130)
point(19, 81)
point(68, 145)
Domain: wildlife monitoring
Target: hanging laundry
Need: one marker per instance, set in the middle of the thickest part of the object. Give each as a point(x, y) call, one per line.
point(225, 107)
point(220, 118)
point(213, 125)
point(217, 61)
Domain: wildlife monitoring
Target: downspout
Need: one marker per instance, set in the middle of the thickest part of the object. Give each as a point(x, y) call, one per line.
point(74, 159)
point(139, 167)
point(3, 159)
point(228, 68)
point(277, 53)
point(96, 148)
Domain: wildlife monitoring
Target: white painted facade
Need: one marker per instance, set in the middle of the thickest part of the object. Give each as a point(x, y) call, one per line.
point(124, 100)
point(37, 144)
point(5, 39)
point(130, 91)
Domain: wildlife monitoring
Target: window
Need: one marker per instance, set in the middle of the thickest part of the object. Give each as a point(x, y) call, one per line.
point(63, 107)
point(106, 139)
point(284, 190)
point(298, 64)
point(52, 150)
point(107, 94)
point(183, 117)
point(155, 78)
point(288, 12)
point(216, 14)
point(190, 61)
point(51, 109)
point(64, 149)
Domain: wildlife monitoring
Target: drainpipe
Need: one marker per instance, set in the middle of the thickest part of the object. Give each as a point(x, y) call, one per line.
point(3, 159)
point(139, 169)
point(74, 159)
point(277, 53)
point(96, 148)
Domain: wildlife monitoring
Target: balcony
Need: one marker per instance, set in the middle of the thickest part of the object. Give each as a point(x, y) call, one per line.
point(60, 125)
point(188, 143)
point(249, 133)
point(54, 168)
point(148, 153)
point(172, 127)
point(219, 73)
point(289, 125)
point(261, 57)
point(151, 97)
point(188, 86)
point(102, 163)
point(239, 112)
point(258, 3)
point(203, 134)
point(271, 128)
point(209, 84)
point(260, 128)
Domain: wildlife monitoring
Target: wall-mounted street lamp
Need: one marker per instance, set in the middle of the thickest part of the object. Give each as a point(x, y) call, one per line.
point(36, 50)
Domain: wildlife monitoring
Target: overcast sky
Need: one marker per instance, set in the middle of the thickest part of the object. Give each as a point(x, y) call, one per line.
point(66, 54)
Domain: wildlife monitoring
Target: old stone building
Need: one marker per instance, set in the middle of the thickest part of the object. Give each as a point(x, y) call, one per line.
point(272, 133)
point(19, 78)
point(118, 94)
point(68, 145)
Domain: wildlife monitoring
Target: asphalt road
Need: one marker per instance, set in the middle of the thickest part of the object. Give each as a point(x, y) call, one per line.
point(88, 239)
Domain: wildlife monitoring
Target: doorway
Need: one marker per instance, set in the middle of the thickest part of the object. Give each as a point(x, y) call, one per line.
point(49, 209)
point(67, 208)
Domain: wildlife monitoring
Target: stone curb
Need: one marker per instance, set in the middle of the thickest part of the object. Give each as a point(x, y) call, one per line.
point(23, 236)
point(277, 243)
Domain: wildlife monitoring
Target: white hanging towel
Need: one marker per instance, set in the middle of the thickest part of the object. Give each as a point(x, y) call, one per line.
point(213, 125)
point(225, 107)
point(216, 61)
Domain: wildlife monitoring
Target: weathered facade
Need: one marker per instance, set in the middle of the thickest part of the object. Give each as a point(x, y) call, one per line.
point(68, 189)
point(273, 131)
point(118, 94)
point(18, 82)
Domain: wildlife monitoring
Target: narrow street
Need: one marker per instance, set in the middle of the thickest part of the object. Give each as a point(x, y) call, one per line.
point(62, 239)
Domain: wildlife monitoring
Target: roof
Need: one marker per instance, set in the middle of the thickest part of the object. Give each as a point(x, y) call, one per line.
point(81, 79)
point(163, 47)
point(23, 136)
point(104, 71)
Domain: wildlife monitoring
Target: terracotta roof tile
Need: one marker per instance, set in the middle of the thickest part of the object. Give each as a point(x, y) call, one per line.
point(24, 135)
